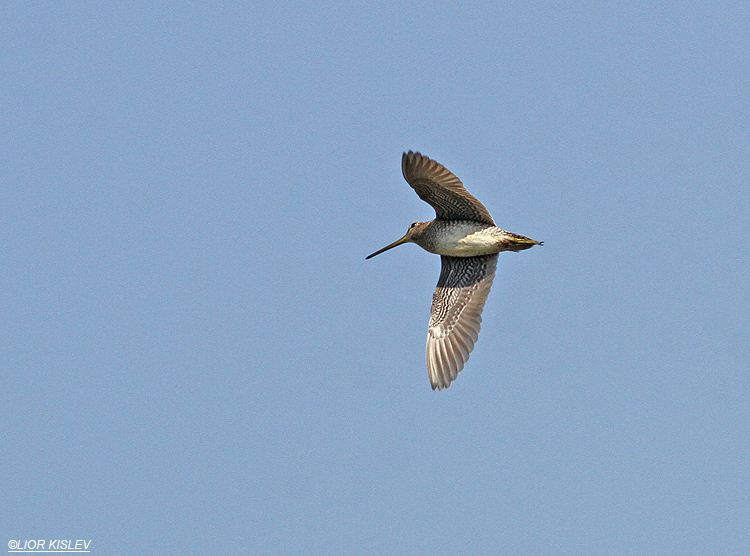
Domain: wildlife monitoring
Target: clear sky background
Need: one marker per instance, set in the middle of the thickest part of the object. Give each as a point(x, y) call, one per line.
point(197, 359)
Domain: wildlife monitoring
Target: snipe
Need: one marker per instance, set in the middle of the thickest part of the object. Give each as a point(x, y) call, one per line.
point(466, 237)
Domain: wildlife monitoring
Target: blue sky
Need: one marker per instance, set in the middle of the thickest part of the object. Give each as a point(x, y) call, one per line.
point(197, 359)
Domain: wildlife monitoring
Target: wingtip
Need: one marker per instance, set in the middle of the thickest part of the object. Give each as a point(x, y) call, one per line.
point(408, 159)
point(438, 386)
point(412, 156)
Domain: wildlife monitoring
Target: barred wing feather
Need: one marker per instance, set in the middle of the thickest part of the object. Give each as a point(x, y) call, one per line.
point(456, 315)
point(439, 187)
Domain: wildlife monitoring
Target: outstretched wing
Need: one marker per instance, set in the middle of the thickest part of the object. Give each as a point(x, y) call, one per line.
point(439, 187)
point(456, 315)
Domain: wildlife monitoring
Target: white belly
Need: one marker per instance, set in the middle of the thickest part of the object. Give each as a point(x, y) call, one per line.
point(462, 239)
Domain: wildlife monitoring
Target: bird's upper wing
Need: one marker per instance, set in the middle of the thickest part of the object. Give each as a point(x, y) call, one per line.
point(456, 315)
point(439, 187)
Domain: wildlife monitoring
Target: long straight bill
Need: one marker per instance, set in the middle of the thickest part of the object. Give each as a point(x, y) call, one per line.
point(391, 246)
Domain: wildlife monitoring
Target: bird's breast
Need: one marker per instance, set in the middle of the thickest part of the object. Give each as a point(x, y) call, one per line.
point(461, 239)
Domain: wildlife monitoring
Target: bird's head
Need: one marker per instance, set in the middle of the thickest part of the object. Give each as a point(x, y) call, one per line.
point(414, 231)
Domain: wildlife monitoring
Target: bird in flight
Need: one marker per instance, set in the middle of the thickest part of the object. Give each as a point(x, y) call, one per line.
point(468, 242)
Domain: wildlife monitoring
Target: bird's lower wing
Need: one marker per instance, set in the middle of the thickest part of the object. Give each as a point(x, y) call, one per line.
point(456, 315)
